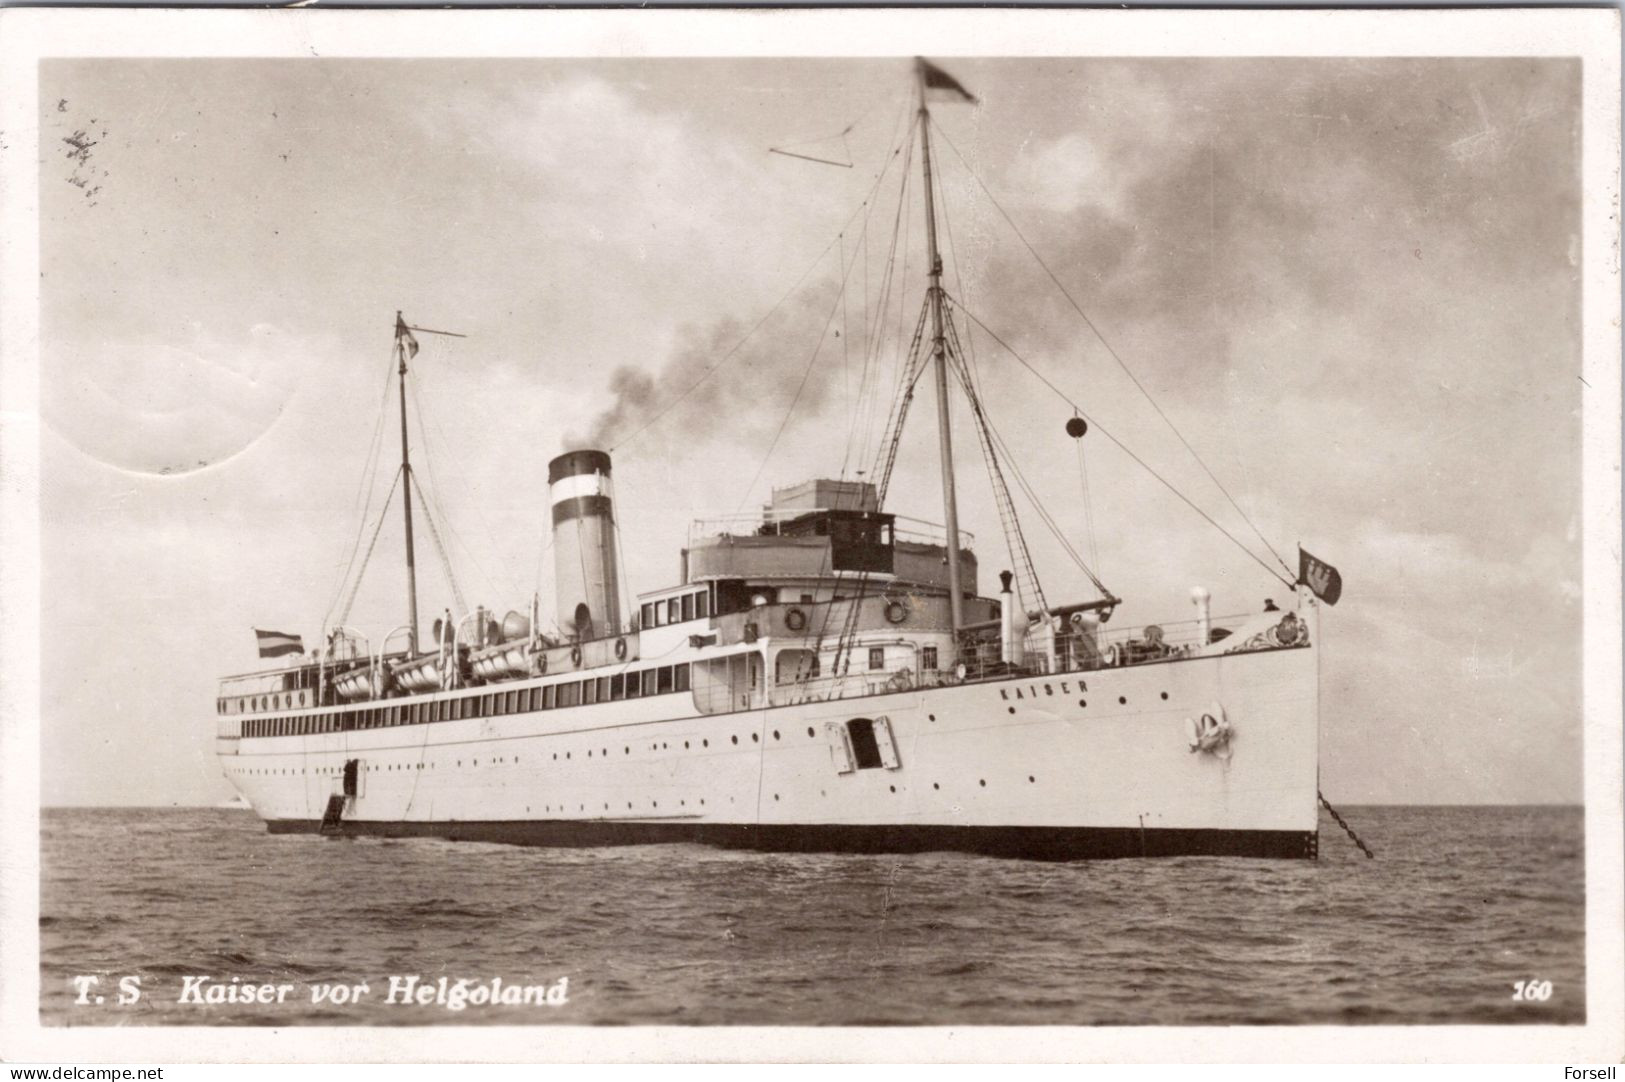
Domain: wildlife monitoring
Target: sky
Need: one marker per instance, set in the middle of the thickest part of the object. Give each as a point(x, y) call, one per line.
point(1352, 285)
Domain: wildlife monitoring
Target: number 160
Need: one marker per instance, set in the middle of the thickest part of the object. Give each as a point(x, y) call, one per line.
point(1538, 991)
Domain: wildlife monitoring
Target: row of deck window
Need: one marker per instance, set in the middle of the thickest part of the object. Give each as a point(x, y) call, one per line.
point(664, 680)
point(676, 610)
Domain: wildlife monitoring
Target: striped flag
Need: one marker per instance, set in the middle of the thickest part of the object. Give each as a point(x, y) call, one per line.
point(278, 643)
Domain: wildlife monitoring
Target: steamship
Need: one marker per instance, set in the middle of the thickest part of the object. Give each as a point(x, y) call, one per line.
point(825, 676)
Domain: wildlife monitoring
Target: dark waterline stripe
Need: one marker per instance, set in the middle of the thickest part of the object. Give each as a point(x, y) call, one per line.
point(1026, 843)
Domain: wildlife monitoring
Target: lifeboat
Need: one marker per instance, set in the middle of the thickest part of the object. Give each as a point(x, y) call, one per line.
point(362, 683)
point(504, 662)
point(419, 674)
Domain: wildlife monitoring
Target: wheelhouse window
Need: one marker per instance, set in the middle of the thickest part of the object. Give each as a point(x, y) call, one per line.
point(702, 604)
point(688, 607)
point(674, 610)
point(928, 658)
point(648, 614)
point(877, 658)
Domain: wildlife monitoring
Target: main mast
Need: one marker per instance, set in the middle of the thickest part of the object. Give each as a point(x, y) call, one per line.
point(402, 336)
point(939, 353)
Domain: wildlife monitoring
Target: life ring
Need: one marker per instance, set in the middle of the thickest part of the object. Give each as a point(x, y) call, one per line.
point(896, 612)
point(620, 649)
point(301, 698)
point(575, 656)
point(795, 619)
point(1109, 658)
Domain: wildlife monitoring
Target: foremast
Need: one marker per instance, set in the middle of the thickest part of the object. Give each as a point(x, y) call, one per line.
point(406, 345)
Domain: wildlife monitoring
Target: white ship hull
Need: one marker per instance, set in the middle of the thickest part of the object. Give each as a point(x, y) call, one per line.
point(1088, 764)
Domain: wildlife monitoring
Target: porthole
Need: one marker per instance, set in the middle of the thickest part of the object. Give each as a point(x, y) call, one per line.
point(934, 785)
point(735, 739)
point(809, 731)
point(705, 743)
point(931, 717)
point(1011, 709)
point(1083, 704)
point(754, 739)
point(775, 734)
point(775, 796)
point(1122, 700)
point(604, 752)
point(1165, 696)
point(589, 753)
point(629, 749)
point(982, 782)
point(893, 788)
point(685, 745)
point(1032, 779)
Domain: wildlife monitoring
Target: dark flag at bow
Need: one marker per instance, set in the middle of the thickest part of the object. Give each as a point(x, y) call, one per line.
point(404, 335)
point(1321, 578)
point(940, 86)
point(278, 643)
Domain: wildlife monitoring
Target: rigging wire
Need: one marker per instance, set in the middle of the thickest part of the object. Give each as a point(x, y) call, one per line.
point(369, 477)
point(1030, 492)
point(802, 386)
point(868, 382)
point(349, 601)
point(1110, 350)
point(1088, 506)
point(1121, 446)
point(737, 346)
point(440, 547)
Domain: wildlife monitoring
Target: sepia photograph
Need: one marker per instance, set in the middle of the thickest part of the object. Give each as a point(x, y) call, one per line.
point(812, 520)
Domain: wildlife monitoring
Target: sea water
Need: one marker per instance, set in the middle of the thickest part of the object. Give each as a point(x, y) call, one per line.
point(1467, 915)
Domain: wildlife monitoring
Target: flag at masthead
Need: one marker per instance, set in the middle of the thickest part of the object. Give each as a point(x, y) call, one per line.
point(939, 85)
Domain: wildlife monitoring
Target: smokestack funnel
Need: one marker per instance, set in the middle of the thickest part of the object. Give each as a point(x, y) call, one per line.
point(586, 581)
point(1010, 635)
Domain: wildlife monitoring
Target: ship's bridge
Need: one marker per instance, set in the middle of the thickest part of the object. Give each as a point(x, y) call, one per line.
point(813, 530)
